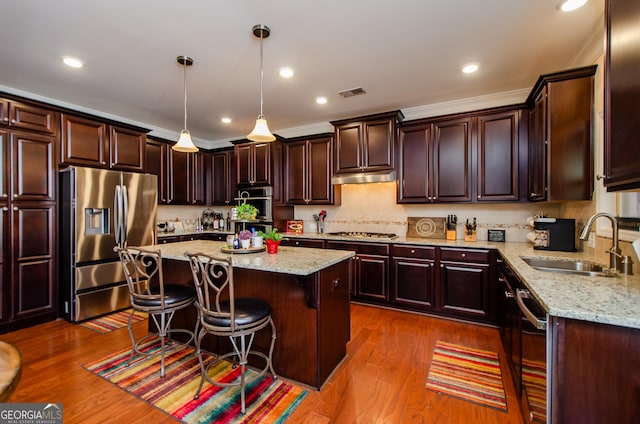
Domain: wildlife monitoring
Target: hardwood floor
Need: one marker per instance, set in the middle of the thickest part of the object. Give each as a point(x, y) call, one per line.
point(381, 381)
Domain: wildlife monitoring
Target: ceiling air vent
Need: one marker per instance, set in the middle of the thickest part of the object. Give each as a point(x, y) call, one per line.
point(353, 92)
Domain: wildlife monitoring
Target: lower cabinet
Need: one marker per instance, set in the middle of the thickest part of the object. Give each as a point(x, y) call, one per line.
point(467, 283)
point(301, 242)
point(413, 279)
point(370, 279)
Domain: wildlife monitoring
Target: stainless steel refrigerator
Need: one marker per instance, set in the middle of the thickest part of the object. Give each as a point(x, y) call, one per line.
point(101, 209)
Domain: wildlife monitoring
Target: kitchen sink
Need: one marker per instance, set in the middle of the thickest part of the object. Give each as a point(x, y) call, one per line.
point(571, 266)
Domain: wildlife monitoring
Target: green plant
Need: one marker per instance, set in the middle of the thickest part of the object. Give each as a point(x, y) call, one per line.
point(246, 211)
point(272, 234)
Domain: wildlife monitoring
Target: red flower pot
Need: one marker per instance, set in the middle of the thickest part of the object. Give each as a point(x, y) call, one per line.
point(272, 246)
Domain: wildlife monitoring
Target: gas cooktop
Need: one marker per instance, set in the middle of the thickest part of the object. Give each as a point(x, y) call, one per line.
point(359, 234)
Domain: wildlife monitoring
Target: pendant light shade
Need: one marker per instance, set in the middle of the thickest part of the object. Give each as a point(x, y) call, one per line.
point(261, 131)
point(185, 144)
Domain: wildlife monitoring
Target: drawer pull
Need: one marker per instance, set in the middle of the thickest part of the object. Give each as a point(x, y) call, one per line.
point(413, 251)
point(463, 255)
point(335, 284)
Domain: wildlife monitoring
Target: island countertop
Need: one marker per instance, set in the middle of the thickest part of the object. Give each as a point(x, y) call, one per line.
point(288, 260)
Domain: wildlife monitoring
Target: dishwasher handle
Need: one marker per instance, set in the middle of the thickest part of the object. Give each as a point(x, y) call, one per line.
point(540, 324)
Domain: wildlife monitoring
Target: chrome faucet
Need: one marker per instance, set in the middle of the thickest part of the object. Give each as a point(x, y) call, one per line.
point(617, 262)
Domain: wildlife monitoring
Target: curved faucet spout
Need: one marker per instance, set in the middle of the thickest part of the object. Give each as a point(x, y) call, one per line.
point(614, 252)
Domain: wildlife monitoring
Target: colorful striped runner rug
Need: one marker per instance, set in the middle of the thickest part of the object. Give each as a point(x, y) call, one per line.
point(108, 323)
point(267, 400)
point(469, 374)
point(534, 379)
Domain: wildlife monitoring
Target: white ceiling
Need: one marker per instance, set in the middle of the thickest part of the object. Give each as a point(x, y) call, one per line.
point(404, 53)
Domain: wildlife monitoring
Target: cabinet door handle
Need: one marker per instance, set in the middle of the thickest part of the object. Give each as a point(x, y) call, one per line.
point(5, 208)
point(501, 279)
point(15, 208)
point(13, 121)
point(6, 119)
point(441, 266)
point(508, 294)
point(479, 196)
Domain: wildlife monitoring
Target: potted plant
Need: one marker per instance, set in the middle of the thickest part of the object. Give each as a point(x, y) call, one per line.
point(245, 238)
point(272, 238)
point(246, 212)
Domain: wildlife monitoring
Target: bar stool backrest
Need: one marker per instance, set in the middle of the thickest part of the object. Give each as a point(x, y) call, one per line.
point(143, 269)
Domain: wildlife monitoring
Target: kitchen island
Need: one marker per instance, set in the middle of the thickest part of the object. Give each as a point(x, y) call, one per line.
point(308, 290)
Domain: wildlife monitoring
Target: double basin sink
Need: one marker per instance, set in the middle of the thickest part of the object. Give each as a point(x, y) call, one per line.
point(571, 266)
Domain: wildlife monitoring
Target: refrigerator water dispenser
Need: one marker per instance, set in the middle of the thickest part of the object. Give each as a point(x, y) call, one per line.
point(96, 221)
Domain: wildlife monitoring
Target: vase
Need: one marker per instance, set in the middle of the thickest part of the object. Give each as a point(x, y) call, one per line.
point(272, 246)
point(245, 244)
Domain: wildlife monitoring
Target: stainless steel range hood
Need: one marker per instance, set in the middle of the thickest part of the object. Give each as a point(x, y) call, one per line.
point(364, 177)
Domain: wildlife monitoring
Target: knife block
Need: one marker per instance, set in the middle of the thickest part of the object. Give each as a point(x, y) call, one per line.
point(451, 234)
point(471, 237)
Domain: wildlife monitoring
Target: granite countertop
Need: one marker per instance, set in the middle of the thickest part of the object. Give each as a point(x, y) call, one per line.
point(607, 300)
point(288, 260)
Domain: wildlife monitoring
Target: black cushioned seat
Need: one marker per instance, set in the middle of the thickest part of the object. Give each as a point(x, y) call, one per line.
point(174, 294)
point(248, 311)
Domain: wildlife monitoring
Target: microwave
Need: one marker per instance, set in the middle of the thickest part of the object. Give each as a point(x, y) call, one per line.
point(261, 198)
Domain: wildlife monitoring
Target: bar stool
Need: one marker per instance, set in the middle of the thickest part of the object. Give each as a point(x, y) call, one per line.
point(222, 314)
point(149, 293)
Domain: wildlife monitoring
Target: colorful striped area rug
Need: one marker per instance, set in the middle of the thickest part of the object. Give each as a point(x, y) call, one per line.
point(469, 374)
point(108, 323)
point(534, 379)
point(267, 400)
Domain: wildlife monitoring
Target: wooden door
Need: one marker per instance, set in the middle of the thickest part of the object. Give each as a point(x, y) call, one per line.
point(84, 142)
point(377, 146)
point(296, 172)
point(349, 148)
point(464, 289)
point(452, 149)
point(622, 97)
point(537, 148)
point(156, 163)
point(414, 164)
point(127, 149)
point(498, 155)
point(197, 177)
point(320, 159)
point(244, 164)
point(373, 277)
point(262, 164)
point(414, 283)
point(179, 186)
point(33, 166)
point(4, 165)
point(34, 271)
point(222, 175)
point(33, 118)
point(5, 247)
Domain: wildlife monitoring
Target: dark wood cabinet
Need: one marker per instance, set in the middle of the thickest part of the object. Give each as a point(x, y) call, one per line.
point(435, 161)
point(370, 279)
point(200, 161)
point(5, 264)
point(28, 117)
point(467, 283)
point(498, 157)
point(595, 372)
point(34, 271)
point(561, 136)
point(157, 163)
point(223, 184)
point(622, 97)
point(366, 143)
point(253, 164)
point(413, 277)
point(33, 166)
point(308, 166)
point(91, 142)
point(4, 165)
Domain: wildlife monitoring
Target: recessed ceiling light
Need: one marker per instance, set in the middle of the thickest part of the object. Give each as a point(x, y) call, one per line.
point(570, 5)
point(226, 120)
point(470, 68)
point(72, 62)
point(321, 100)
point(286, 72)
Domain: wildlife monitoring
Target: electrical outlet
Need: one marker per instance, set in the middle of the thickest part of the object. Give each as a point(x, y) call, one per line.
point(591, 242)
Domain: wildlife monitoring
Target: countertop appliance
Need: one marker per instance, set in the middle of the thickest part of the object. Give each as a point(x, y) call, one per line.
point(556, 234)
point(101, 209)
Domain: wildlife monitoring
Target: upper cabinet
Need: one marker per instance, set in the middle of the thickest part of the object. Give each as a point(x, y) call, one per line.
point(461, 158)
point(222, 177)
point(622, 97)
point(157, 163)
point(90, 142)
point(253, 164)
point(366, 143)
point(308, 167)
point(561, 136)
point(28, 117)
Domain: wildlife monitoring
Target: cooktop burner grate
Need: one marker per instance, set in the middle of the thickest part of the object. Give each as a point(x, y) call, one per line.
point(364, 234)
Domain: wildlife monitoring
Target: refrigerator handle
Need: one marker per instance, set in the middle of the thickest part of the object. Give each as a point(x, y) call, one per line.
point(117, 215)
point(125, 214)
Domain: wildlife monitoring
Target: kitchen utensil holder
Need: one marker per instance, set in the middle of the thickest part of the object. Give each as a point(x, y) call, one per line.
point(473, 236)
point(451, 234)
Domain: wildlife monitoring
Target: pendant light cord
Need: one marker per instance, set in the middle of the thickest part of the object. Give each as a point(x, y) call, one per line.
point(261, 74)
point(184, 65)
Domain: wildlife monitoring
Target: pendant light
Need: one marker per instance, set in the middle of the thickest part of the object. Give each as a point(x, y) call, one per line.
point(185, 144)
point(261, 130)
